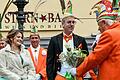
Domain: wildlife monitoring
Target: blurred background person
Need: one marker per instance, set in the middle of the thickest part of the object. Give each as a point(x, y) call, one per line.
point(2, 43)
point(38, 55)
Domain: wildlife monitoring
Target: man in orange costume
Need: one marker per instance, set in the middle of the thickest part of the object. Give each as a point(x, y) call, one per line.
point(38, 55)
point(107, 52)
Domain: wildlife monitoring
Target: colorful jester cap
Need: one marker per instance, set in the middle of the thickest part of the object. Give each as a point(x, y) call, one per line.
point(104, 10)
point(116, 6)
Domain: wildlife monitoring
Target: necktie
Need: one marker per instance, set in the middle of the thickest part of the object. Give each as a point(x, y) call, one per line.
point(36, 56)
point(67, 38)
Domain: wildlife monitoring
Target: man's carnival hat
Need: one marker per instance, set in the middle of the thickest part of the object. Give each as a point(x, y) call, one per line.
point(116, 6)
point(105, 9)
point(66, 6)
point(0, 35)
point(34, 31)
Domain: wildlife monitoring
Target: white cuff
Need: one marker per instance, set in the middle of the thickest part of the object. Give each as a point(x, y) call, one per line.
point(73, 71)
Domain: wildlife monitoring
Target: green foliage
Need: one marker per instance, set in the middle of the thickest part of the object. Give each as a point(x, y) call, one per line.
point(73, 57)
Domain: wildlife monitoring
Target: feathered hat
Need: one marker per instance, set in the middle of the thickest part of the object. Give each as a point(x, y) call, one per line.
point(105, 9)
point(34, 31)
point(0, 35)
point(116, 6)
point(66, 6)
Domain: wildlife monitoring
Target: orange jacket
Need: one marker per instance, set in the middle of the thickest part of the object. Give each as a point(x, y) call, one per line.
point(106, 54)
point(41, 66)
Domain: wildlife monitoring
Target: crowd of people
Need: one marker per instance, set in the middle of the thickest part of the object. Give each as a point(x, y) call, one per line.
point(37, 63)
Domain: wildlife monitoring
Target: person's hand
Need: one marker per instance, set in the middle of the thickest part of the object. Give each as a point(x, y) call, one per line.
point(72, 71)
point(38, 77)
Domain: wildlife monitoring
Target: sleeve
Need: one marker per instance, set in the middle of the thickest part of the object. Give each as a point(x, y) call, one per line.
point(93, 75)
point(31, 75)
point(50, 61)
point(43, 72)
point(4, 71)
point(98, 55)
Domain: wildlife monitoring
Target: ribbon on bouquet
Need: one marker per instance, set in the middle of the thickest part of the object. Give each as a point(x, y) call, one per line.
point(68, 76)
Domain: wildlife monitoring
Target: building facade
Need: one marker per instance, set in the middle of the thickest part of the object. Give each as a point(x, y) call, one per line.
point(47, 17)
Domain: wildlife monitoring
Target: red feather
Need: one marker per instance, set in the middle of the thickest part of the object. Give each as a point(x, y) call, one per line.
point(108, 5)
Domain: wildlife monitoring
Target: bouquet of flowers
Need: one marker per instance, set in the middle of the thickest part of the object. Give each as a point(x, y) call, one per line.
point(73, 57)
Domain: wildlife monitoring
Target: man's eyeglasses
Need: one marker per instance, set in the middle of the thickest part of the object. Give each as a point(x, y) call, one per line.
point(73, 22)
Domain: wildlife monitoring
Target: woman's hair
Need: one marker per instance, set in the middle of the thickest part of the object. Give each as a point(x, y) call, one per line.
point(11, 34)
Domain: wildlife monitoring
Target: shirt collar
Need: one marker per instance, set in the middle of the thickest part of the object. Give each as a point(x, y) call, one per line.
point(35, 48)
point(114, 25)
point(67, 35)
point(8, 48)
